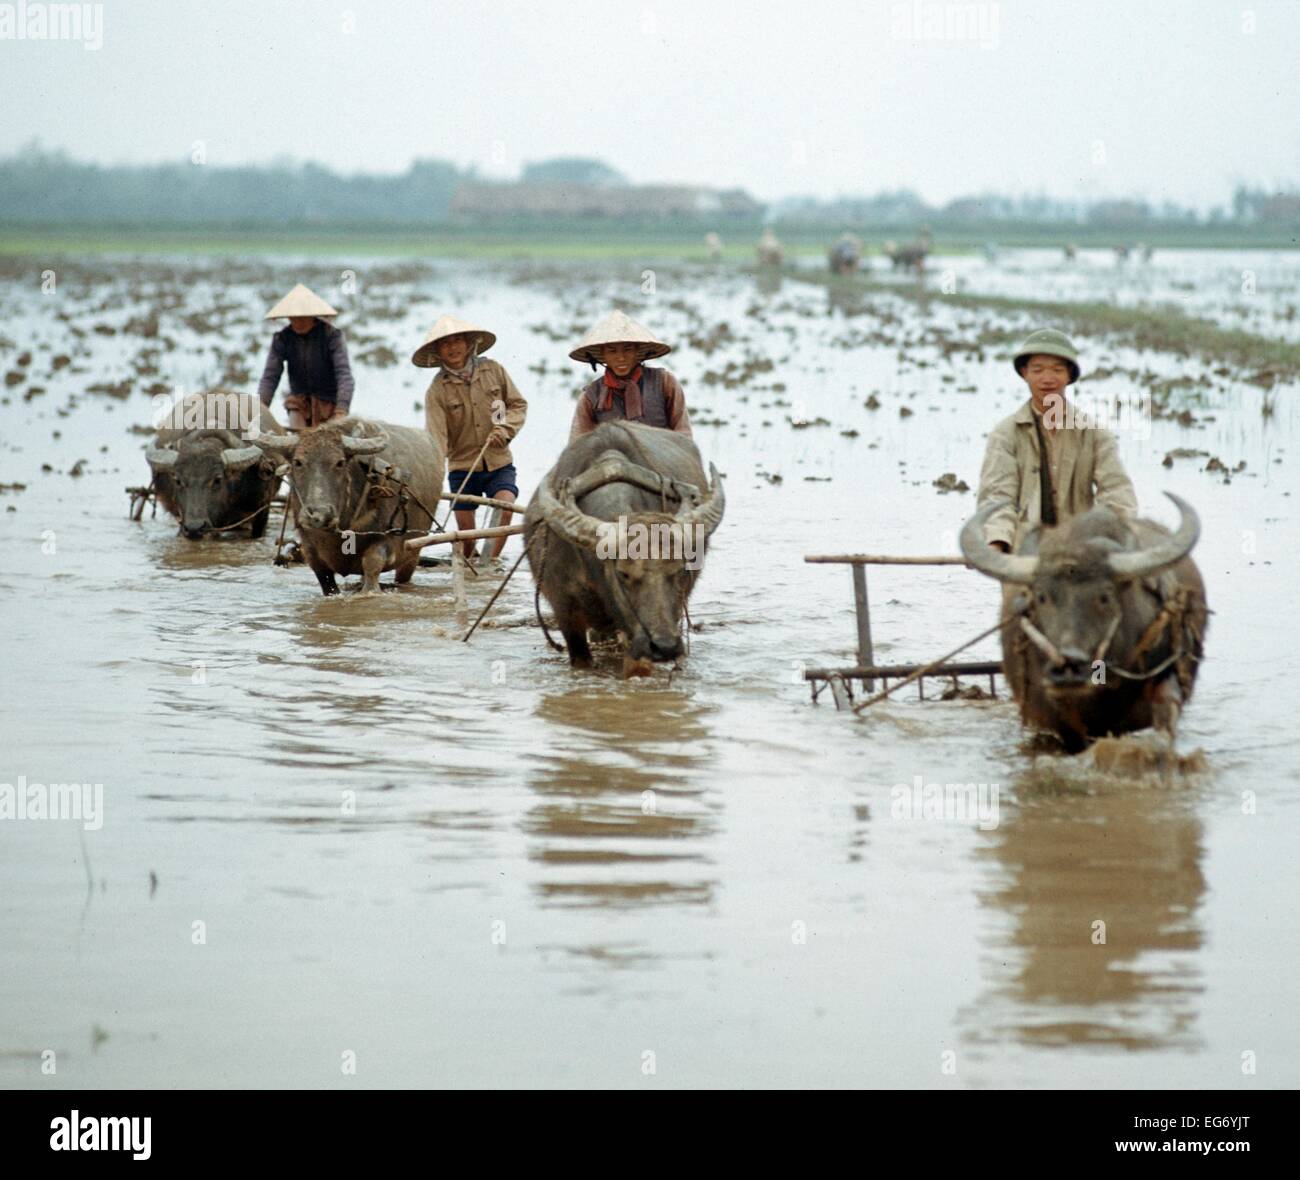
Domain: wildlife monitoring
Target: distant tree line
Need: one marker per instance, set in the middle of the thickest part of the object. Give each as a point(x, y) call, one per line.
point(41, 187)
point(904, 207)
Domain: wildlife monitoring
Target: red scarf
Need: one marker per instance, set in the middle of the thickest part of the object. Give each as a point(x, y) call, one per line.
point(630, 389)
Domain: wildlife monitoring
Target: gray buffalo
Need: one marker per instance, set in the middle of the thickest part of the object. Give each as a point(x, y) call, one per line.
point(1113, 615)
point(846, 255)
point(624, 518)
point(208, 470)
point(911, 255)
point(358, 489)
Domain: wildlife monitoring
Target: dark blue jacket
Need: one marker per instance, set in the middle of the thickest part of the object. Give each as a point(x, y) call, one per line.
point(318, 365)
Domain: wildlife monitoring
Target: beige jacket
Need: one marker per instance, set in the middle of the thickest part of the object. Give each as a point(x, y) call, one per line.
point(459, 415)
point(1088, 471)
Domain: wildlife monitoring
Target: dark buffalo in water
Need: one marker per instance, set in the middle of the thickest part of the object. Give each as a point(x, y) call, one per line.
point(846, 255)
point(625, 516)
point(356, 490)
point(910, 256)
point(1112, 633)
point(208, 469)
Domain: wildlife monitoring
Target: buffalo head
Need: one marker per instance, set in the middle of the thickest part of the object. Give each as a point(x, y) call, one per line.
point(1083, 603)
point(646, 562)
point(328, 485)
point(205, 475)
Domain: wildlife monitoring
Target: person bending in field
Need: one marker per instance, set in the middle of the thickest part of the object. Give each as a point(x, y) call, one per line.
point(313, 349)
point(630, 390)
point(473, 410)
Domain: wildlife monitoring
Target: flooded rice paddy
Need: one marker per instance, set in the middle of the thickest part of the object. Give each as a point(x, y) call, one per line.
point(331, 828)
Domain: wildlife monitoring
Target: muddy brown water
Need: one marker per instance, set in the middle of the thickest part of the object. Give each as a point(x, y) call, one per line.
point(466, 865)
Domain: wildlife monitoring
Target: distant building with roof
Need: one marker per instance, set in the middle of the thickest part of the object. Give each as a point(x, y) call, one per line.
point(485, 199)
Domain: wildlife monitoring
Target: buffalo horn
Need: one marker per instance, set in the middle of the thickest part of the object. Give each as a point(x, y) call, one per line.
point(161, 459)
point(565, 519)
point(709, 514)
point(277, 442)
point(980, 555)
point(1148, 561)
point(237, 458)
point(364, 446)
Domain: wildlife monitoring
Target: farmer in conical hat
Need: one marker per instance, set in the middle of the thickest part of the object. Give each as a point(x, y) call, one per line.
point(320, 376)
point(1082, 460)
point(629, 388)
point(473, 410)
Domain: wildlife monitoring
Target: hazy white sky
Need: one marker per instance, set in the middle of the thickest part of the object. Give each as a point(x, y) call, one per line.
point(1168, 99)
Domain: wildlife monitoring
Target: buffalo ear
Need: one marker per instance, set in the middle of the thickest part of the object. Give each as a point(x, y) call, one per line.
point(161, 459)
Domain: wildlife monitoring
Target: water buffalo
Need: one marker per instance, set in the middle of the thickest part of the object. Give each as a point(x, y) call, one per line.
point(1113, 622)
point(846, 255)
point(625, 516)
point(349, 504)
point(911, 256)
point(207, 470)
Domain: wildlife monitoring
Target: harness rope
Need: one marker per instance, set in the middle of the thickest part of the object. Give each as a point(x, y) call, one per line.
point(150, 494)
point(537, 586)
point(382, 485)
point(214, 528)
point(1173, 619)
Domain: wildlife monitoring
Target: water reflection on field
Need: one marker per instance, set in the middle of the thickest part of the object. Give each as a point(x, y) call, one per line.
point(468, 865)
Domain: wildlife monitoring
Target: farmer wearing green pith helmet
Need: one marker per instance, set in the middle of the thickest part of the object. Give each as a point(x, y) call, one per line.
point(1082, 468)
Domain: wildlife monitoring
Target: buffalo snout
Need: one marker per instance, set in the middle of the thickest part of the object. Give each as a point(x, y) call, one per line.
point(1072, 672)
point(319, 516)
point(661, 648)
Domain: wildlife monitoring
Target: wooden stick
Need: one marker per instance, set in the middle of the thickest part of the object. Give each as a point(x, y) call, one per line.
point(497, 592)
point(880, 559)
point(458, 587)
point(484, 502)
point(505, 530)
point(284, 522)
point(896, 671)
point(880, 696)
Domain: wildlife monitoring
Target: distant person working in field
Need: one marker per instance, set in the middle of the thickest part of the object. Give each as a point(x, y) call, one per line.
point(629, 390)
point(472, 410)
point(320, 376)
point(1083, 465)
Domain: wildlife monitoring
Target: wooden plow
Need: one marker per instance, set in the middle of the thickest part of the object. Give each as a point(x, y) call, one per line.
point(866, 670)
point(452, 537)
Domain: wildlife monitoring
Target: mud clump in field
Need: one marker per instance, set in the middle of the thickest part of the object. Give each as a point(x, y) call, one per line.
point(379, 357)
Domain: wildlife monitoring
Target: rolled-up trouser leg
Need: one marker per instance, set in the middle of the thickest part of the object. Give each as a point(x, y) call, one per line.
point(298, 409)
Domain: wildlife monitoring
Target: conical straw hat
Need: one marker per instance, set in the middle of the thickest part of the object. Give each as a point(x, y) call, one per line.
point(618, 328)
point(449, 325)
point(301, 301)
